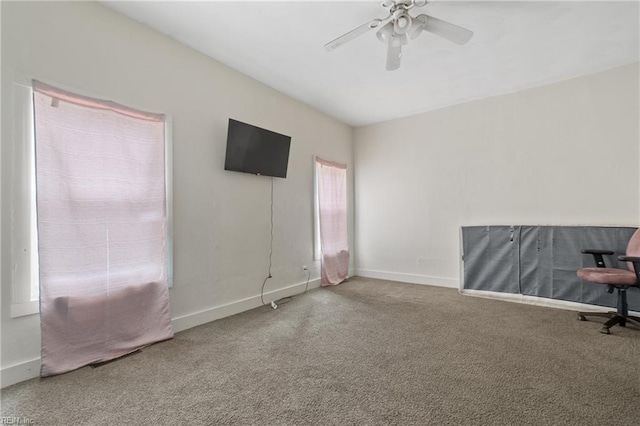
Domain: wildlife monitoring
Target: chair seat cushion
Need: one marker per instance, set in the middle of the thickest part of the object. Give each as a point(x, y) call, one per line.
point(608, 276)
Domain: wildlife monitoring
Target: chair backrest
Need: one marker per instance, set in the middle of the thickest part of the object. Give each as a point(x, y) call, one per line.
point(633, 248)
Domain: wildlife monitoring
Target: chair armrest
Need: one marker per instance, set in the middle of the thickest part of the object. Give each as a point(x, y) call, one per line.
point(597, 256)
point(636, 265)
point(629, 259)
point(589, 251)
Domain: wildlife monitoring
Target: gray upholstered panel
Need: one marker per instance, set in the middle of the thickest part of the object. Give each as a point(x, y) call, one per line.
point(491, 255)
point(535, 260)
point(542, 261)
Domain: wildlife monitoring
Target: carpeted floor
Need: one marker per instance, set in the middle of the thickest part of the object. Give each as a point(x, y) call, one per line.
point(364, 352)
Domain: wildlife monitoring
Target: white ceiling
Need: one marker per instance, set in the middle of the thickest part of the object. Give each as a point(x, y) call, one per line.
point(516, 45)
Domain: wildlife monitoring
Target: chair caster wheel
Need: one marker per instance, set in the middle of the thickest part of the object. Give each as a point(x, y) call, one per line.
point(581, 317)
point(605, 330)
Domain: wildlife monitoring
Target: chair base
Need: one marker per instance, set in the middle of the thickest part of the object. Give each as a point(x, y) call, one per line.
point(614, 319)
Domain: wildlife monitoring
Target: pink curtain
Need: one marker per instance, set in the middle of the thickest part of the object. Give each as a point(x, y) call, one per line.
point(101, 205)
point(332, 205)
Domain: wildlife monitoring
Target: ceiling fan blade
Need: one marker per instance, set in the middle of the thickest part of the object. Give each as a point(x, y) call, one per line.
point(371, 25)
point(394, 53)
point(447, 30)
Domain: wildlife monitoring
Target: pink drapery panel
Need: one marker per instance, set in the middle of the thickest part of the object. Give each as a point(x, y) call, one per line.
point(101, 204)
point(332, 205)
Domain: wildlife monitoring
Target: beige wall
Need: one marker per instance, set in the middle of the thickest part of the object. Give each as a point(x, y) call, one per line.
point(221, 219)
point(561, 154)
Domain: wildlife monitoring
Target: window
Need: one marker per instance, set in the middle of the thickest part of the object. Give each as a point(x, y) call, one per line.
point(106, 120)
point(331, 195)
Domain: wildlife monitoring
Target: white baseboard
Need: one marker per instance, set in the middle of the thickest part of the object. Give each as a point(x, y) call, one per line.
point(409, 278)
point(31, 369)
point(452, 283)
point(540, 301)
point(194, 319)
point(20, 372)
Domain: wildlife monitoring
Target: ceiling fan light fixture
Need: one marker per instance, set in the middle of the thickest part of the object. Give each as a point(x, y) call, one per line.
point(419, 22)
point(402, 23)
point(385, 33)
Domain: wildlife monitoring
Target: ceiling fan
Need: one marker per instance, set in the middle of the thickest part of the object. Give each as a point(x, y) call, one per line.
point(394, 29)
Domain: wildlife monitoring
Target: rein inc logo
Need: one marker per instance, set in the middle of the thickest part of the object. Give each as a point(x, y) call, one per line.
point(16, 421)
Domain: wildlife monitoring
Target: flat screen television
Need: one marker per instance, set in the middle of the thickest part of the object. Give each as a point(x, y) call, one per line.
point(258, 151)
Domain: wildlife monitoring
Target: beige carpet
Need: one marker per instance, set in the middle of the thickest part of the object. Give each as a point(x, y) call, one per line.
point(365, 352)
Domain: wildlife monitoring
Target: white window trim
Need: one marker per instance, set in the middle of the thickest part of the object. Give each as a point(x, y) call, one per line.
point(168, 184)
point(24, 259)
point(23, 175)
point(317, 247)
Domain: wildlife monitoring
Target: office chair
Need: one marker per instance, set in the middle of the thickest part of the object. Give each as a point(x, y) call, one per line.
point(615, 279)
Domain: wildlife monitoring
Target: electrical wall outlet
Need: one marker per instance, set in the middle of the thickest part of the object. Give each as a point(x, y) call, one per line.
point(304, 269)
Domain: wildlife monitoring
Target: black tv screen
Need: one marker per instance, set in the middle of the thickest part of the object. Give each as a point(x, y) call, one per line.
point(258, 151)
